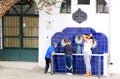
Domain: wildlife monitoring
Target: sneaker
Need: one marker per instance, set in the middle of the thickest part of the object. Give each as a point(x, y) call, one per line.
point(69, 73)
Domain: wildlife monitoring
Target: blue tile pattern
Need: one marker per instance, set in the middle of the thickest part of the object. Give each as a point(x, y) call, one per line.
point(71, 33)
point(78, 64)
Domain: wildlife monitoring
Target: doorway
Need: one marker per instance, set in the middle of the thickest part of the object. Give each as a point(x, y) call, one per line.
point(20, 33)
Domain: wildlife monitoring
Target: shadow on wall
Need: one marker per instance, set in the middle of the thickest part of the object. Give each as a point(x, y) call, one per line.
point(72, 33)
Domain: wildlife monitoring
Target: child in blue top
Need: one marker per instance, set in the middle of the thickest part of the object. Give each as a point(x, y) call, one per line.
point(50, 50)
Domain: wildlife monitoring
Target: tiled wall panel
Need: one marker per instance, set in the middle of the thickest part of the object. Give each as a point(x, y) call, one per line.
point(78, 63)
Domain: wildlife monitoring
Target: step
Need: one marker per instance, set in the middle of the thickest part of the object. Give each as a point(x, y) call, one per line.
point(17, 64)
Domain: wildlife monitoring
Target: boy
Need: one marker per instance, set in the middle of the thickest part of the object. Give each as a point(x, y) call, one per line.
point(50, 50)
point(68, 49)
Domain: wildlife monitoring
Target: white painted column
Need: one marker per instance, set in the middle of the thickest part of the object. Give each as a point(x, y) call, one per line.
point(105, 65)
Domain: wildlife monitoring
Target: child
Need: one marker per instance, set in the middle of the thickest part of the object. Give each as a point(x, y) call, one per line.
point(68, 49)
point(50, 50)
point(87, 52)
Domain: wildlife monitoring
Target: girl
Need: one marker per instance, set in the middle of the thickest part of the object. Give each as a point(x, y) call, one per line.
point(87, 52)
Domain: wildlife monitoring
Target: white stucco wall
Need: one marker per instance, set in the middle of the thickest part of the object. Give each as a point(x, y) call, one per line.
point(104, 23)
point(107, 24)
point(98, 21)
point(114, 37)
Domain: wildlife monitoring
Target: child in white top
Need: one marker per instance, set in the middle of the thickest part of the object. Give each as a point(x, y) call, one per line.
point(87, 52)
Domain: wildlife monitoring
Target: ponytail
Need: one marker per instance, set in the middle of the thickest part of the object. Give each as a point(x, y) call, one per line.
point(94, 42)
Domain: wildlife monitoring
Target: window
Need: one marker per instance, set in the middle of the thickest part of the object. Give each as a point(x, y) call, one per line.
point(23, 7)
point(66, 6)
point(20, 26)
point(83, 1)
point(102, 6)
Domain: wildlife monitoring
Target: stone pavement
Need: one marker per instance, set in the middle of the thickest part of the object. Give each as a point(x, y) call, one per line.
point(37, 73)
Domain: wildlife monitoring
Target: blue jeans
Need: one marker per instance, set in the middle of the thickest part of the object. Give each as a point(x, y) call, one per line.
point(69, 64)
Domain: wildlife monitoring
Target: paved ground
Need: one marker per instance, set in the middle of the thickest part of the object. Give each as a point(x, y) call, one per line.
point(15, 73)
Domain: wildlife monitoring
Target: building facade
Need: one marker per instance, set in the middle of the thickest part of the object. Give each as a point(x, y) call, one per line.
point(26, 44)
